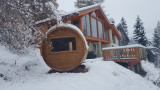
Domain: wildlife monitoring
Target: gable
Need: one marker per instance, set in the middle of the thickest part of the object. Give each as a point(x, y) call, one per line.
point(100, 15)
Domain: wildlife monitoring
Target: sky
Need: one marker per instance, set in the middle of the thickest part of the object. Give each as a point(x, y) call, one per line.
point(148, 10)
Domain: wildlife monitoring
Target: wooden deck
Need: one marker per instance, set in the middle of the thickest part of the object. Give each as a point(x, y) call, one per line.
point(130, 54)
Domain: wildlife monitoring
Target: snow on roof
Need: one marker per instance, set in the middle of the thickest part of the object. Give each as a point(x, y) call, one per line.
point(43, 20)
point(111, 20)
point(127, 46)
point(70, 26)
point(75, 12)
point(81, 9)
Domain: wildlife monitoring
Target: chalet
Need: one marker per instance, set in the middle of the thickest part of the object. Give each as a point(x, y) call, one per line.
point(125, 40)
point(93, 23)
point(102, 36)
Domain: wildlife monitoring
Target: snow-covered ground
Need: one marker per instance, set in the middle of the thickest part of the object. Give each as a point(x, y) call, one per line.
point(153, 73)
point(29, 72)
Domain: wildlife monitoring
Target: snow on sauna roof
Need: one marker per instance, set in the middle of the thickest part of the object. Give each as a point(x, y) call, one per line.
point(70, 26)
point(127, 46)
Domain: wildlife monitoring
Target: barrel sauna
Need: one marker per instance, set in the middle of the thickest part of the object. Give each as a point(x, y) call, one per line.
point(64, 47)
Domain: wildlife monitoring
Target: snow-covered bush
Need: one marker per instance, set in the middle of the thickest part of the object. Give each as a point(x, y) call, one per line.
point(153, 73)
point(17, 19)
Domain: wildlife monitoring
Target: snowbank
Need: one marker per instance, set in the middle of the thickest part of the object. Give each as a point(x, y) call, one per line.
point(153, 73)
point(29, 73)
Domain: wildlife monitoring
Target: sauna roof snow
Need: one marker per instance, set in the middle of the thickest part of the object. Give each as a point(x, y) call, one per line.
point(70, 26)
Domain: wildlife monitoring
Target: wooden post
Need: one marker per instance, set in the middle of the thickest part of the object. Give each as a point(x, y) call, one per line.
point(70, 46)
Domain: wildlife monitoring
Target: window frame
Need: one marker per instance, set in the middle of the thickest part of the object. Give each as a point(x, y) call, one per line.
point(91, 38)
point(50, 46)
point(98, 19)
point(86, 22)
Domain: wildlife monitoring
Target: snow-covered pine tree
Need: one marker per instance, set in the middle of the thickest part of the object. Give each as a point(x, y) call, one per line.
point(156, 36)
point(156, 44)
point(124, 25)
point(84, 3)
point(139, 33)
point(17, 19)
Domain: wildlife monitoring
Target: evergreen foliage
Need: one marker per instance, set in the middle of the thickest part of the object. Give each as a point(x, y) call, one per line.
point(124, 25)
point(156, 36)
point(17, 19)
point(84, 3)
point(156, 44)
point(140, 38)
point(139, 33)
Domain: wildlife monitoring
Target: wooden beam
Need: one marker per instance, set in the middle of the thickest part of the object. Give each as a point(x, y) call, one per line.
point(95, 39)
point(80, 24)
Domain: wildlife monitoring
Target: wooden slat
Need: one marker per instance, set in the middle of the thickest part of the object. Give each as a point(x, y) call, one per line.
point(125, 54)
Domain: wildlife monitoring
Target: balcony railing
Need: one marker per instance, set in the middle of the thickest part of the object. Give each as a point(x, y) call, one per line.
point(128, 53)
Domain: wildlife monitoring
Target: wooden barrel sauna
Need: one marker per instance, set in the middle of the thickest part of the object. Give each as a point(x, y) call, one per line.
point(64, 47)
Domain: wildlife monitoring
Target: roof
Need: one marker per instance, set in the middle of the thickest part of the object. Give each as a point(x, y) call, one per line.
point(84, 11)
point(76, 12)
point(69, 14)
point(89, 9)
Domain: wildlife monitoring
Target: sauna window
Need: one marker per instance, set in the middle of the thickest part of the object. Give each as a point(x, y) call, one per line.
point(63, 44)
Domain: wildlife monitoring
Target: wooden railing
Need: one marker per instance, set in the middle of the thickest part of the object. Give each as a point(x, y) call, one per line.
point(124, 54)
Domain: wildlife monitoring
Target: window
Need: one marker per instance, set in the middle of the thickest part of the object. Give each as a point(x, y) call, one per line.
point(100, 27)
point(86, 25)
point(94, 14)
point(94, 27)
point(106, 35)
point(63, 44)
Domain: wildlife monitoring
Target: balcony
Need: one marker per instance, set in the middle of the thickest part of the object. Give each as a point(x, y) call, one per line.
point(129, 53)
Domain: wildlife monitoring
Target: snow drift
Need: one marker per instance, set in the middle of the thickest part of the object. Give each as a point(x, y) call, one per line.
point(29, 72)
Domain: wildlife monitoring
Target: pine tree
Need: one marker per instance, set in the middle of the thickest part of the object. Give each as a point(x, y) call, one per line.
point(156, 36)
point(84, 3)
point(156, 44)
point(124, 25)
point(139, 33)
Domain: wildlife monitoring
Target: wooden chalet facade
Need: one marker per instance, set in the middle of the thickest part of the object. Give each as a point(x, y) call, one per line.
point(93, 23)
point(97, 29)
point(100, 34)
